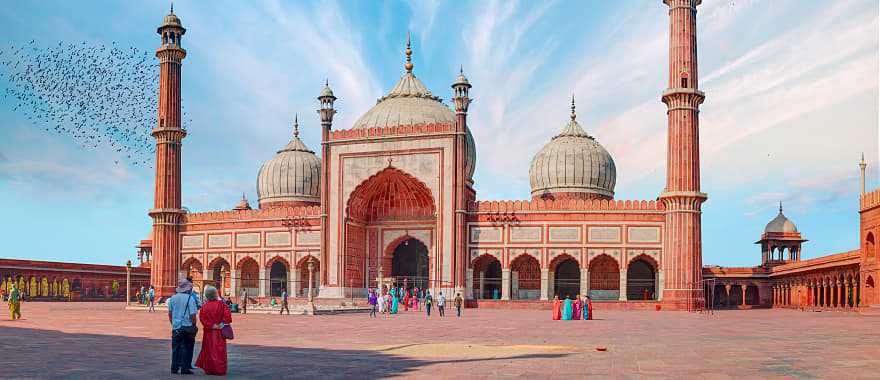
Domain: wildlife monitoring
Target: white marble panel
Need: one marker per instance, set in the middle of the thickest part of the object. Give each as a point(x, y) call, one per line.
point(219, 241)
point(565, 234)
point(604, 234)
point(644, 234)
point(193, 241)
point(247, 240)
point(486, 234)
point(308, 238)
point(277, 239)
point(525, 234)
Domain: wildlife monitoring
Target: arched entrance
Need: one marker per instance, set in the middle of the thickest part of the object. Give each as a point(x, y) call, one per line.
point(752, 295)
point(525, 278)
point(303, 269)
point(604, 278)
point(641, 280)
point(389, 196)
point(277, 279)
point(249, 273)
point(487, 278)
point(220, 276)
point(409, 264)
point(567, 279)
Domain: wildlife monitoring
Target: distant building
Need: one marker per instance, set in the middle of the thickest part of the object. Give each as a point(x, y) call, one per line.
point(55, 281)
point(845, 280)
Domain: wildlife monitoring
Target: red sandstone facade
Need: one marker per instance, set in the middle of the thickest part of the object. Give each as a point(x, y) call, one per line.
point(55, 281)
point(398, 205)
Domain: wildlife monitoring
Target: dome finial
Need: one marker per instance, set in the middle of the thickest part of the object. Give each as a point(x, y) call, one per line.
point(409, 65)
point(296, 125)
point(573, 114)
point(172, 6)
point(780, 207)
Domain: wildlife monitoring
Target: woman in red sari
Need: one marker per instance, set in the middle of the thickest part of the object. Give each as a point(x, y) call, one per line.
point(557, 308)
point(214, 315)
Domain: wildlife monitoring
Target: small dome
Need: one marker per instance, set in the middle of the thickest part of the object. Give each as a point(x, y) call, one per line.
point(242, 204)
point(326, 91)
point(780, 224)
point(293, 175)
point(573, 165)
point(411, 103)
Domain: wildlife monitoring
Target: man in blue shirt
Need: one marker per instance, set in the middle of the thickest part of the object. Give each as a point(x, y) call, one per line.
point(182, 309)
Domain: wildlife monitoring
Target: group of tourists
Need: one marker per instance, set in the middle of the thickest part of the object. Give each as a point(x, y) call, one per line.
point(387, 301)
point(568, 309)
point(216, 319)
point(147, 297)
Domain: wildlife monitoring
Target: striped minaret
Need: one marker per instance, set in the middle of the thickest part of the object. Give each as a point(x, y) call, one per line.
point(682, 245)
point(167, 212)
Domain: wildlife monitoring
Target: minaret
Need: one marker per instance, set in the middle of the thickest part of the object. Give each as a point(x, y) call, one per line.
point(862, 166)
point(682, 245)
point(460, 97)
point(167, 212)
point(326, 112)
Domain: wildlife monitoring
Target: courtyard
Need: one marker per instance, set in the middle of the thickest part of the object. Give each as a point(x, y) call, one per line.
point(100, 340)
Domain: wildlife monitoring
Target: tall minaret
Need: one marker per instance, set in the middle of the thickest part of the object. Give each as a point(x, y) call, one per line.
point(460, 97)
point(326, 112)
point(682, 246)
point(167, 212)
point(862, 166)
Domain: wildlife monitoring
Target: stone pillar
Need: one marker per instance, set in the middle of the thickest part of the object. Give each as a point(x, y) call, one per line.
point(841, 299)
point(585, 282)
point(482, 284)
point(469, 284)
point(263, 276)
point(660, 282)
point(514, 285)
point(545, 284)
point(233, 283)
point(551, 282)
point(505, 284)
point(743, 288)
point(296, 284)
point(208, 275)
point(622, 296)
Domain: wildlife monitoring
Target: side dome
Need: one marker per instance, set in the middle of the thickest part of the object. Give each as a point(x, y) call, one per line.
point(780, 224)
point(291, 178)
point(411, 103)
point(573, 166)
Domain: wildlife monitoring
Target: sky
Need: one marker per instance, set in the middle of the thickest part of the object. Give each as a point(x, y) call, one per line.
point(791, 102)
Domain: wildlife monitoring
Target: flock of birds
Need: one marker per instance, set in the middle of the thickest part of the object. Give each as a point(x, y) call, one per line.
point(105, 97)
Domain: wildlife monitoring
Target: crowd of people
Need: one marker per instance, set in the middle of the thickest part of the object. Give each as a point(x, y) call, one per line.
point(568, 309)
point(393, 300)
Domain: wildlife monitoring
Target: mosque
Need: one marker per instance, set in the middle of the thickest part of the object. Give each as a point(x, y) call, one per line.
point(392, 199)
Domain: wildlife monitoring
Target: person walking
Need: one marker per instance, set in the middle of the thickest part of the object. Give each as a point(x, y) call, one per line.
point(284, 305)
point(244, 300)
point(182, 315)
point(441, 304)
point(458, 303)
point(429, 301)
point(152, 298)
point(14, 303)
point(215, 315)
point(373, 301)
point(142, 295)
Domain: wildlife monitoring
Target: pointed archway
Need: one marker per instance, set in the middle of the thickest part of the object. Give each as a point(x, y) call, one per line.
point(390, 196)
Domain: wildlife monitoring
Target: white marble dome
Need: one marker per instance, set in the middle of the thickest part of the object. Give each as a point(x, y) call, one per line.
point(573, 165)
point(781, 224)
point(411, 103)
point(293, 175)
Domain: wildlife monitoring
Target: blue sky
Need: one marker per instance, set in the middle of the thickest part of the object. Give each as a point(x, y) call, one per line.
point(792, 100)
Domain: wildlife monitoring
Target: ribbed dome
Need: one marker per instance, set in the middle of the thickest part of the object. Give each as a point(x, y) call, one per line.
point(293, 175)
point(573, 165)
point(411, 103)
point(780, 224)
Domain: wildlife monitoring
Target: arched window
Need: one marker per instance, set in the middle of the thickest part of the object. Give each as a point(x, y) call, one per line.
point(869, 245)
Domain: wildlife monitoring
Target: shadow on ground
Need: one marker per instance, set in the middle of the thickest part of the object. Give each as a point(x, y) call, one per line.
point(34, 353)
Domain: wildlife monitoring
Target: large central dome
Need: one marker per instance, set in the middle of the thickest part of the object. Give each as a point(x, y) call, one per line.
point(411, 103)
point(573, 166)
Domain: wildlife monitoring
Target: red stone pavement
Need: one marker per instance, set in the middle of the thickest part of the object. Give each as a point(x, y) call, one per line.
point(100, 340)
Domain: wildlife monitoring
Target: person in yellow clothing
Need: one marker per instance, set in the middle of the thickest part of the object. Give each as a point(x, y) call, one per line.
point(14, 303)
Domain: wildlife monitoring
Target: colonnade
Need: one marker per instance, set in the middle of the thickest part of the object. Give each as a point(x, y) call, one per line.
point(827, 291)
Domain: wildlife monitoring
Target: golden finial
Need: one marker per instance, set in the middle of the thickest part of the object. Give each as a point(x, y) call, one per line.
point(296, 125)
point(573, 115)
point(409, 65)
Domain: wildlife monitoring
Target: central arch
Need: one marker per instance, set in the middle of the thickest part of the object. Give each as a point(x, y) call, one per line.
point(277, 278)
point(409, 263)
point(566, 277)
point(641, 279)
point(389, 196)
point(604, 278)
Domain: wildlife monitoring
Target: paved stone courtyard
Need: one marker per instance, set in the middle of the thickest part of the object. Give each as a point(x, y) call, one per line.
point(99, 340)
